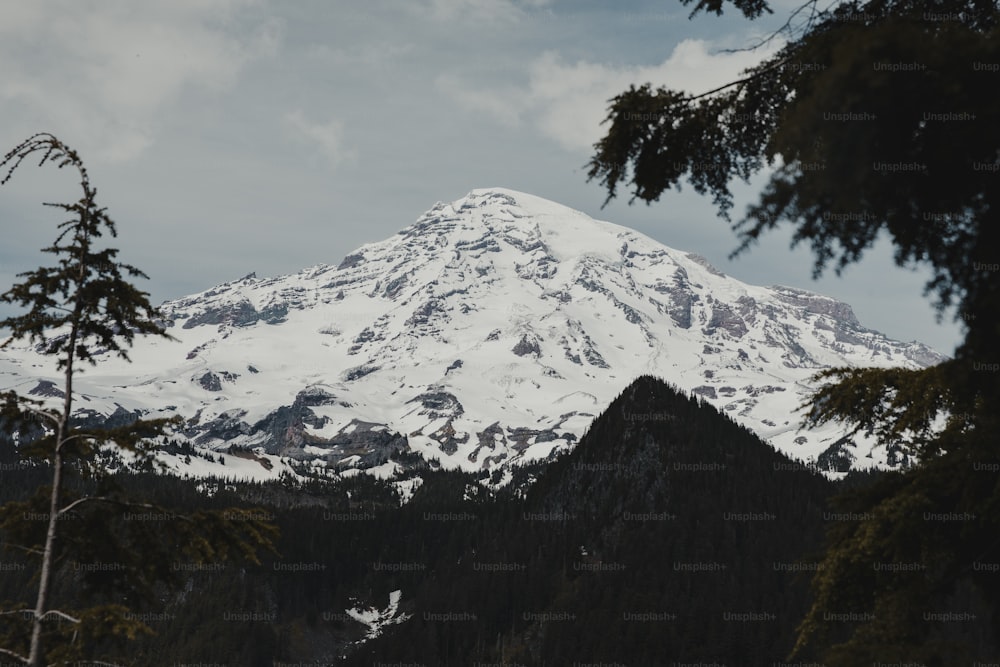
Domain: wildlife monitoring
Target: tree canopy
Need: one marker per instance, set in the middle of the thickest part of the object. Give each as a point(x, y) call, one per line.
point(874, 118)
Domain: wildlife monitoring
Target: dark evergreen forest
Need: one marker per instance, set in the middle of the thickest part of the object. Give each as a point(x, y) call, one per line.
point(669, 534)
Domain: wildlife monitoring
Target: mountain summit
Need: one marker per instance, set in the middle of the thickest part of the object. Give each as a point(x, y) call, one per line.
point(490, 331)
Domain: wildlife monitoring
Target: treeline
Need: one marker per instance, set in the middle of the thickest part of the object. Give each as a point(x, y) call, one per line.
point(669, 534)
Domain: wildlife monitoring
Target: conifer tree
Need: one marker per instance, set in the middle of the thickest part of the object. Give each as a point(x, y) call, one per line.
point(80, 310)
point(874, 119)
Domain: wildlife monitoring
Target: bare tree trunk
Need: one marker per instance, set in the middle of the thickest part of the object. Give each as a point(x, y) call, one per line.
point(45, 576)
point(35, 657)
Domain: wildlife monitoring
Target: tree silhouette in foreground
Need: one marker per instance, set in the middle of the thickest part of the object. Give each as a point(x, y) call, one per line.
point(81, 310)
point(875, 119)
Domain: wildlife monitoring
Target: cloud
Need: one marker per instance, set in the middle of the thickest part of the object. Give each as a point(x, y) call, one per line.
point(566, 102)
point(328, 137)
point(506, 106)
point(371, 55)
point(104, 75)
point(488, 11)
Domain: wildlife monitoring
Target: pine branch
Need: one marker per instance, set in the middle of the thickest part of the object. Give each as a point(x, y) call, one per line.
point(30, 550)
point(80, 501)
point(786, 27)
point(757, 73)
point(41, 413)
point(120, 503)
point(771, 66)
point(77, 436)
point(16, 656)
point(60, 614)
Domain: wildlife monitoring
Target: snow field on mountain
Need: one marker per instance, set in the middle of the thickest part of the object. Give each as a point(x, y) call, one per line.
point(489, 332)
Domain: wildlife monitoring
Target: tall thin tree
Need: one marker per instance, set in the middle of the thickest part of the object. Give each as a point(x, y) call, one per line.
point(80, 310)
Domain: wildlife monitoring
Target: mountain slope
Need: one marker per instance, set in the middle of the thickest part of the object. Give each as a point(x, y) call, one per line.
point(679, 540)
point(492, 330)
point(631, 549)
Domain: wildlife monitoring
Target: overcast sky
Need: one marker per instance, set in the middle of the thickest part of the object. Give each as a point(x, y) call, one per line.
point(230, 136)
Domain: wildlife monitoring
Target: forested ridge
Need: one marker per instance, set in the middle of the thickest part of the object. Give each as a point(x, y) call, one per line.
point(668, 534)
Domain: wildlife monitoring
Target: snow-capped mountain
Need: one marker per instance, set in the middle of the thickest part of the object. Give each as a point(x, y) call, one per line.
point(490, 331)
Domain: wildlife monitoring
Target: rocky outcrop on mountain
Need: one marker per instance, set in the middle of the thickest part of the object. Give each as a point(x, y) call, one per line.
point(210, 382)
point(436, 404)
point(724, 318)
point(48, 389)
point(526, 347)
point(362, 445)
point(816, 304)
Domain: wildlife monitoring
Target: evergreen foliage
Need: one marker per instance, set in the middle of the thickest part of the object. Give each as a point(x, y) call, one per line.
point(500, 576)
point(876, 118)
point(89, 545)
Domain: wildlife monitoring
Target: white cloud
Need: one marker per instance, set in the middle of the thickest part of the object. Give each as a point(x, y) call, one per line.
point(328, 137)
point(505, 106)
point(489, 11)
point(104, 75)
point(567, 102)
point(373, 55)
